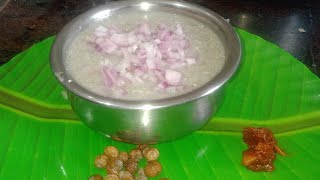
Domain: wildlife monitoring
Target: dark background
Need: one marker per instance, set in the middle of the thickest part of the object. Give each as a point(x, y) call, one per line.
point(25, 22)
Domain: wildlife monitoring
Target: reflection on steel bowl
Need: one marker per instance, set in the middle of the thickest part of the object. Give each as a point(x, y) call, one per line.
point(181, 101)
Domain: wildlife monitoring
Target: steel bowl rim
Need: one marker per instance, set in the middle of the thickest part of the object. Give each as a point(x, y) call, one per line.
point(210, 87)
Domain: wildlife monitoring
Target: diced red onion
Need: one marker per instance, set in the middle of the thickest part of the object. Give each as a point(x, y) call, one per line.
point(163, 85)
point(145, 54)
point(157, 41)
point(106, 78)
point(132, 38)
point(151, 63)
point(120, 39)
point(191, 61)
point(159, 75)
point(101, 29)
point(178, 65)
point(173, 77)
point(138, 72)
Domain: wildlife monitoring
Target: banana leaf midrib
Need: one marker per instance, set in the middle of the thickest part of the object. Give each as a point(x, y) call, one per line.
point(220, 124)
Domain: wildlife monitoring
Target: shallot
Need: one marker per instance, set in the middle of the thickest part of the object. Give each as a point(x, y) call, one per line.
point(145, 54)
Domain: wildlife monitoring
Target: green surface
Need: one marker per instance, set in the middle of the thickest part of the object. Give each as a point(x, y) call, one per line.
point(42, 139)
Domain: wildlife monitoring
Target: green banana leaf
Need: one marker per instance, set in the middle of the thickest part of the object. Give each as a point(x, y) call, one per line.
point(41, 138)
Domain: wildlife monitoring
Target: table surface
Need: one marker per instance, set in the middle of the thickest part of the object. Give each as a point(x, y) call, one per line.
point(293, 25)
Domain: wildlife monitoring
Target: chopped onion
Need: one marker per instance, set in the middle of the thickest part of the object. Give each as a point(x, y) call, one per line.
point(173, 77)
point(145, 54)
point(120, 39)
point(190, 61)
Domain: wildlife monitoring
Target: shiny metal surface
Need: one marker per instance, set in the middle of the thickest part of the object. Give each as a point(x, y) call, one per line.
point(147, 121)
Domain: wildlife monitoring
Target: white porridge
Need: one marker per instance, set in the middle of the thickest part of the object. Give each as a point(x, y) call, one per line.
point(139, 56)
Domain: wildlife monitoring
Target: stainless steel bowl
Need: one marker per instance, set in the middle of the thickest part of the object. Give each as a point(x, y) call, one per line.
point(155, 120)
